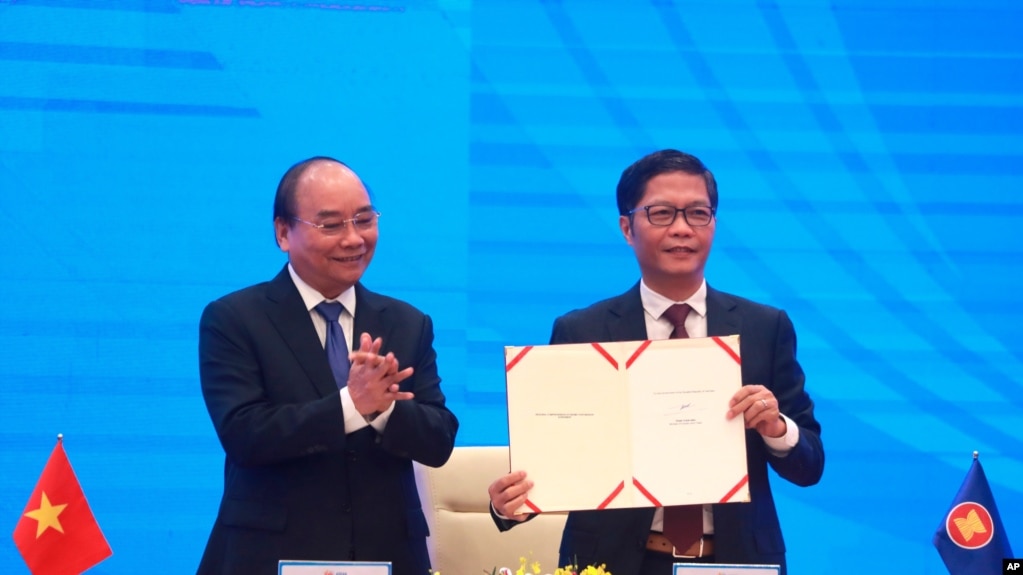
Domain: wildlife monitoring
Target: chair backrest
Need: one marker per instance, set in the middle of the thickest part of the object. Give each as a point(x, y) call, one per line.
point(463, 538)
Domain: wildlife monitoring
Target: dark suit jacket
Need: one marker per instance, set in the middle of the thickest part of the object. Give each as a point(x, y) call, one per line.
point(744, 533)
point(295, 485)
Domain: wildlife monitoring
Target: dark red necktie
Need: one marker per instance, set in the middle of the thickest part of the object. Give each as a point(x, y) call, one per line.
point(683, 524)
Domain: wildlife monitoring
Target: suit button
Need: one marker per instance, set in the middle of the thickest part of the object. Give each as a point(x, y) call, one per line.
point(347, 509)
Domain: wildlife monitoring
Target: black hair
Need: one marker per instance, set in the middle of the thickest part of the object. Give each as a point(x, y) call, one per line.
point(632, 184)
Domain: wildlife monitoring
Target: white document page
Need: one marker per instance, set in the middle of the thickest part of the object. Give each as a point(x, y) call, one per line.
point(684, 451)
point(568, 404)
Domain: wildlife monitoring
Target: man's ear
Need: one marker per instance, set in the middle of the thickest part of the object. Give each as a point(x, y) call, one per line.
point(625, 223)
point(281, 230)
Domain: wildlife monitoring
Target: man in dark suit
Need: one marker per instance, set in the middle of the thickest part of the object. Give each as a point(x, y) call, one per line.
point(667, 203)
point(319, 448)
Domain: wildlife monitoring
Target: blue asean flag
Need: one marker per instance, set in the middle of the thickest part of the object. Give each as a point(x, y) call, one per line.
point(970, 539)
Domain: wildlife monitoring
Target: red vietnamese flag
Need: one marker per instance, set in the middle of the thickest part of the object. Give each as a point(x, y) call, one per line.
point(57, 534)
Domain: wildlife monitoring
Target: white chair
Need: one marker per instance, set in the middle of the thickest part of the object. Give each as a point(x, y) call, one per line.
point(463, 538)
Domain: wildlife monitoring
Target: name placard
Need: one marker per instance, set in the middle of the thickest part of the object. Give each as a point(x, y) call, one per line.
point(725, 569)
point(290, 567)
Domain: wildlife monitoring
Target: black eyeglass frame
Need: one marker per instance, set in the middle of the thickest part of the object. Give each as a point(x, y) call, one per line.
point(685, 214)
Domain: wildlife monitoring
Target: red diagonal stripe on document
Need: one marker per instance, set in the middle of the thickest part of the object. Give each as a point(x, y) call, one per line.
point(610, 498)
point(532, 506)
point(606, 355)
point(734, 490)
point(635, 354)
point(730, 351)
point(516, 359)
point(646, 493)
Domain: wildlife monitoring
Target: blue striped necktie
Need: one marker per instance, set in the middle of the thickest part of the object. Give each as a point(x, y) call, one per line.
point(336, 345)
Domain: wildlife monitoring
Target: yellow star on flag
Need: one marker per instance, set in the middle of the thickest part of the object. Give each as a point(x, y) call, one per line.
point(47, 515)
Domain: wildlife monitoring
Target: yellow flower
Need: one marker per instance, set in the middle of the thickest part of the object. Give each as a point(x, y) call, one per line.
point(535, 568)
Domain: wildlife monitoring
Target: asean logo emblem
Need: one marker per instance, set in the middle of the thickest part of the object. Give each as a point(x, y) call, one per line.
point(969, 525)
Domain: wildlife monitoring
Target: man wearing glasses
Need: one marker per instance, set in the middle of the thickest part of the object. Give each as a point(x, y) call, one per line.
point(322, 394)
point(667, 203)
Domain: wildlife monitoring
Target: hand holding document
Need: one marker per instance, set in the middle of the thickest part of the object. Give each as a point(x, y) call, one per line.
point(626, 424)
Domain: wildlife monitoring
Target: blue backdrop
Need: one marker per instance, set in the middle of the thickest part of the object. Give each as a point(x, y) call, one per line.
point(868, 156)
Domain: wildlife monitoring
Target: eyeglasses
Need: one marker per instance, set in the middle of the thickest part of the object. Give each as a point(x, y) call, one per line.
point(363, 221)
point(696, 216)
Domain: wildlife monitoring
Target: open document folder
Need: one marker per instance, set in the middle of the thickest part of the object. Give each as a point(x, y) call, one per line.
point(626, 424)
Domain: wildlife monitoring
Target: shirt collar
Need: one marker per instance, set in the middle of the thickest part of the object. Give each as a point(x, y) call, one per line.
point(655, 304)
point(312, 298)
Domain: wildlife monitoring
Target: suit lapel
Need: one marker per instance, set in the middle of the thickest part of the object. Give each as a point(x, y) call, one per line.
point(722, 316)
point(288, 314)
point(370, 316)
point(625, 317)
